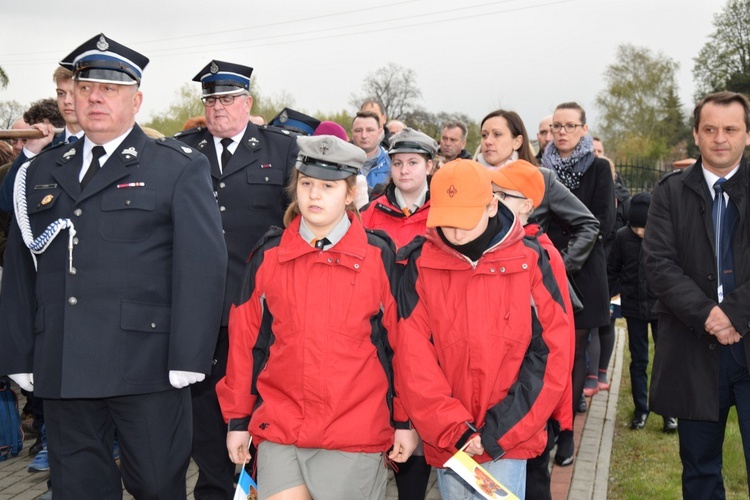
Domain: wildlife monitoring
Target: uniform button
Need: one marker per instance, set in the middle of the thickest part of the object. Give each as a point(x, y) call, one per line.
point(75, 240)
point(72, 270)
point(153, 325)
point(72, 301)
point(77, 212)
point(127, 202)
point(222, 209)
point(266, 179)
point(712, 347)
point(711, 277)
point(222, 185)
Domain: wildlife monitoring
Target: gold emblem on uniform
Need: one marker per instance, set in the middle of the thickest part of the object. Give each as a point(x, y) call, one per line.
point(214, 68)
point(102, 44)
point(47, 199)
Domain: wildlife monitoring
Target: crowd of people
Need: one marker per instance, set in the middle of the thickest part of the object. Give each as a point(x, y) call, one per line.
point(318, 304)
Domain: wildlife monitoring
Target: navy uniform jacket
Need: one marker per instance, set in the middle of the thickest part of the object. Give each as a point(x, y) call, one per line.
point(250, 191)
point(144, 293)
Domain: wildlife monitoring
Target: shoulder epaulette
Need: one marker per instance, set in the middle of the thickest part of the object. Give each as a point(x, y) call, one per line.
point(189, 131)
point(280, 131)
point(176, 145)
point(676, 171)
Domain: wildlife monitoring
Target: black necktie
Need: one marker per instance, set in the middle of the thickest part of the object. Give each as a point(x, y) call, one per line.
point(321, 243)
point(94, 167)
point(719, 210)
point(226, 155)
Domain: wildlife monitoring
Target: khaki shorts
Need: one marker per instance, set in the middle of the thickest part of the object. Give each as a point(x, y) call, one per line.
point(327, 474)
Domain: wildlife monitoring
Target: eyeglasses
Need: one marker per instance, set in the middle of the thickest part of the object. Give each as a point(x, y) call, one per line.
point(569, 127)
point(502, 195)
point(225, 100)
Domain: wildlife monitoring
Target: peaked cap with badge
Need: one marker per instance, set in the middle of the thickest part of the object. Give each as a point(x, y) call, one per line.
point(329, 158)
point(103, 60)
point(412, 141)
point(220, 77)
point(295, 121)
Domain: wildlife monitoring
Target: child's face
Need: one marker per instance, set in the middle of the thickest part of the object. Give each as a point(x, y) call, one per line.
point(322, 203)
point(640, 231)
point(409, 172)
point(463, 236)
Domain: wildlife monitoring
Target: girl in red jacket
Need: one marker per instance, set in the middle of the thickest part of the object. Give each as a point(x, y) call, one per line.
point(309, 373)
point(402, 210)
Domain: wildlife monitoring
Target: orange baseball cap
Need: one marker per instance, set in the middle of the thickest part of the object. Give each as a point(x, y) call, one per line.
point(523, 177)
point(459, 193)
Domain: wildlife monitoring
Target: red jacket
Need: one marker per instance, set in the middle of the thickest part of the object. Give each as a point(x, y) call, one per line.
point(564, 411)
point(485, 343)
point(384, 213)
point(309, 343)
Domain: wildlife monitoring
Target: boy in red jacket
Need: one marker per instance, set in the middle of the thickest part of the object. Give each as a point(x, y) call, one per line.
point(483, 350)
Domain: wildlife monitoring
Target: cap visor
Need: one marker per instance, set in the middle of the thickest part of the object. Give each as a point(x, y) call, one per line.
point(326, 174)
point(462, 218)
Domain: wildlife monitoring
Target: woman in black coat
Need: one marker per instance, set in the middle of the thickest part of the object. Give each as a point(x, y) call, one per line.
point(571, 157)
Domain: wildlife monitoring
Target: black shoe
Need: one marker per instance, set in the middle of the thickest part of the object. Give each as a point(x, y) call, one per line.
point(670, 424)
point(36, 447)
point(582, 407)
point(565, 449)
point(639, 422)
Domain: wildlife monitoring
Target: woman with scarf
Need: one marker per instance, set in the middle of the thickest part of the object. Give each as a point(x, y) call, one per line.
point(571, 157)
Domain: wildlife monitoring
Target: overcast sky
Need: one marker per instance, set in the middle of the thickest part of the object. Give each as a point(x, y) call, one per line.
point(469, 56)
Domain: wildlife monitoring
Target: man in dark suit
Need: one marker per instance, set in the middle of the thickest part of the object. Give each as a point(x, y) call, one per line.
point(250, 167)
point(112, 289)
point(697, 263)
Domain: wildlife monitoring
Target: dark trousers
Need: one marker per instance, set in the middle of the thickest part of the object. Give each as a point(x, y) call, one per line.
point(215, 470)
point(537, 470)
point(701, 441)
point(154, 433)
point(638, 344)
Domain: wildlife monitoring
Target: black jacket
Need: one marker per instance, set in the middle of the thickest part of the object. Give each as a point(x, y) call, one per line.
point(627, 276)
point(681, 269)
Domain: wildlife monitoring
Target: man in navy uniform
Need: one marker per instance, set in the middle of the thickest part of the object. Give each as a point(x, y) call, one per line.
point(112, 289)
point(250, 166)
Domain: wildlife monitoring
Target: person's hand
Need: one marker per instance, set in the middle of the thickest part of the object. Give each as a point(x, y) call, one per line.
point(728, 336)
point(36, 145)
point(474, 446)
point(180, 379)
point(24, 380)
point(719, 325)
point(238, 443)
point(405, 441)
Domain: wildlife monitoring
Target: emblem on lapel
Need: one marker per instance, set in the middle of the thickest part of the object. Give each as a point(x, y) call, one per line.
point(202, 144)
point(253, 143)
point(69, 154)
point(130, 152)
point(47, 199)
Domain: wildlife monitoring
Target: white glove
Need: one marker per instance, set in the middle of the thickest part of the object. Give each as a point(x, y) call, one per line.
point(362, 198)
point(180, 379)
point(24, 380)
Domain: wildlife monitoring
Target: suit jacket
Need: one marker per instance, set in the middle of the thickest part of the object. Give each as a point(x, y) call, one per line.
point(250, 191)
point(681, 269)
point(140, 295)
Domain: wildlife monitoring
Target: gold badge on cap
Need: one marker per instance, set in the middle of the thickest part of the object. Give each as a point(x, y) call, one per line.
point(47, 199)
point(214, 68)
point(102, 43)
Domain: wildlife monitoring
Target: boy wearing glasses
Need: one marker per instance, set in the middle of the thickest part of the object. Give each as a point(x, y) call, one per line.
point(483, 346)
point(250, 166)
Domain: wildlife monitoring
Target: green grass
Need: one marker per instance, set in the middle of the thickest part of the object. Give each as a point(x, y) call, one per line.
point(646, 463)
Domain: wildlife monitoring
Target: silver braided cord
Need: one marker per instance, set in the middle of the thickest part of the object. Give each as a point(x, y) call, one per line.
point(38, 245)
